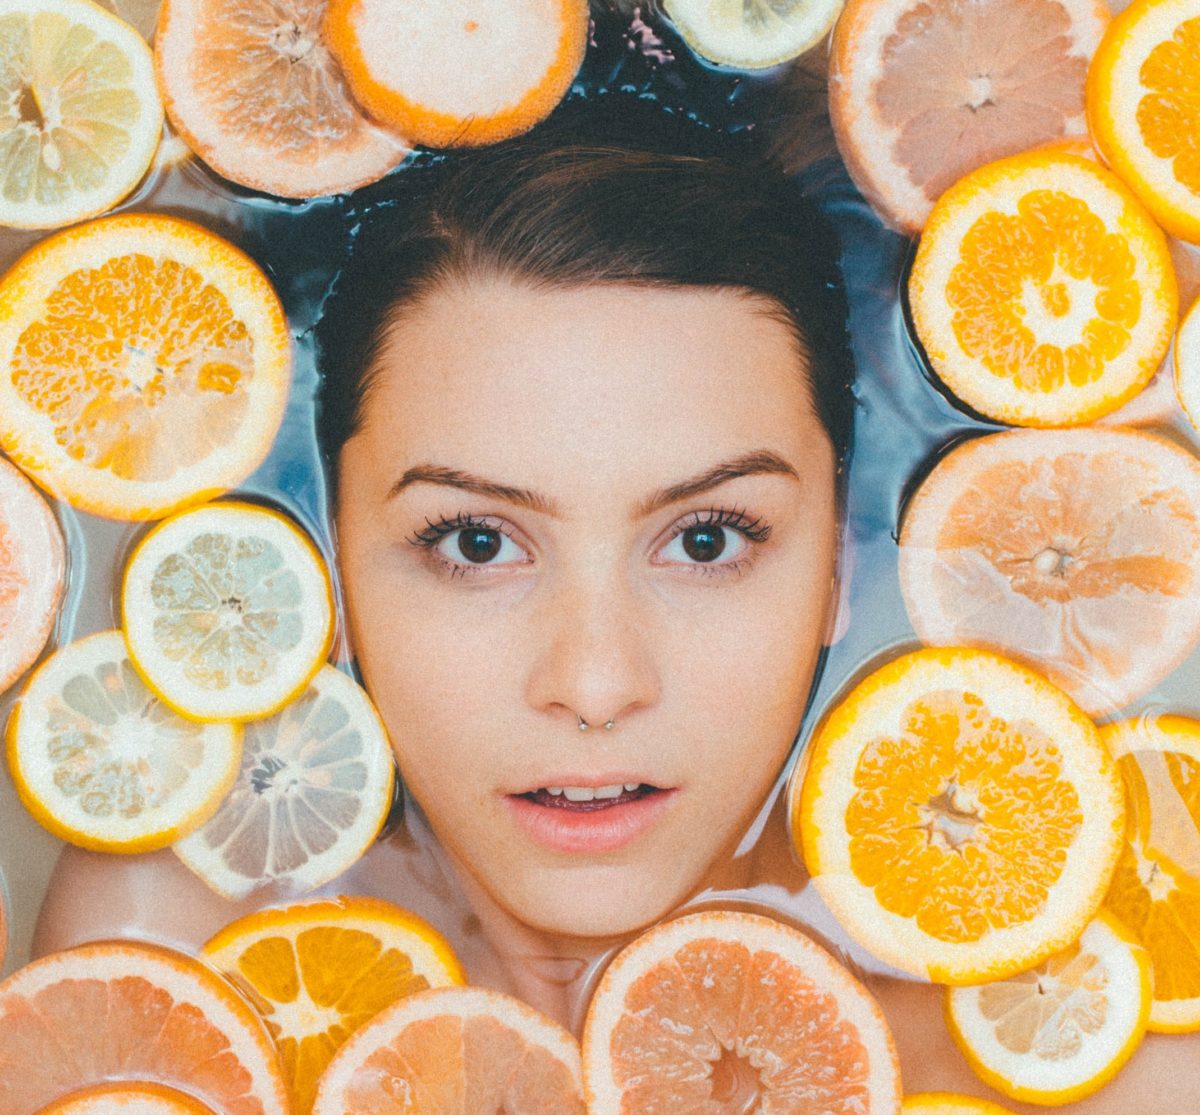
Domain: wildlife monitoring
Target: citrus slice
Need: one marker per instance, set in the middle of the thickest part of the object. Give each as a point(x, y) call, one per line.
point(101, 762)
point(455, 1049)
point(1062, 1030)
point(128, 1099)
point(920, 94)
point(1076, 551)
point(722, 1011)
point(960, 815)
point(949, 1103)
point(752, 34)
point(1156, 889)
point(1143, 103)
point(253, 89)
point(1187, 364)
point(144, 365)
point(461, 74)
point(227, 610)
point(319, 971)
point(80, 115)
point(33, 573)
point(1042, 291)
point(123, 1010)
point(314, 789)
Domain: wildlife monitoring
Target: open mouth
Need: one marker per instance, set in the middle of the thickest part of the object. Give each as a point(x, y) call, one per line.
point(587, 799)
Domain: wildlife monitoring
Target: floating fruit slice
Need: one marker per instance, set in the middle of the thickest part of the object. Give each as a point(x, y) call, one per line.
point(253, 89)
point(227, 610)
point(1042, 291)
point(455, 1049)
point(723, 1011)
point(100, 761)
point(321, 970)
point(1143, 103)
point(920, 94)
point(1076, 551)
point(752, 34)
point(123, 1010)
point(1187, 364)
point(315, 787)
point(128, 1099)
point(1156, 889)
point(144, 365)
point(960, 815)
point(80, 115)
point(1062, 1030)
point(949, 1103)
point(463, 74)
point(33, 571)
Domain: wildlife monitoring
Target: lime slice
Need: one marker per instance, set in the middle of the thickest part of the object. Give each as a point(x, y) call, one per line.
point(752, 34)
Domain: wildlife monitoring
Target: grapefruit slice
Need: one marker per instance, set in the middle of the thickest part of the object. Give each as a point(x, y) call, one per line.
point(1062, 1030)
point(1187, 364)
point(144, 365)
point(314, 789)
point(721, 1011)
point(1076, 551)
point(455, 1049)
point(33, 573)
point(128, 1099)
point(319, 971)
point(227, 611)
point(126, 1011)
point(752, 34)
point(920, 94)
point(960, 816)
point(949, 1103)
point(1156, 890)
point(101, 762)
point(463, 74)
point(253, 89)
point(80, 117)
point(1143, 102)
point(1042, 291)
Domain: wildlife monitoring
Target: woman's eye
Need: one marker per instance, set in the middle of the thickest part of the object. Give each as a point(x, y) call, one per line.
point(480, 546)
point(706, 543)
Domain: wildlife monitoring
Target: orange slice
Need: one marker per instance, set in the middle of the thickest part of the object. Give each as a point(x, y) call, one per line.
point(1062, 1030)
point(1042, 291)
point(80, 117)
point(319, 971)
point(752, 34)
point(949, 1103)
point(960, 816)
point(920, 94)
point(455, 1049)
point(1143, 103)
point(33, 573)
point(314, 789)
point(227, 610)
point(127, 1011)
point(1156, 889)
point(128, 1099)
point(722, 1011)
point(100, 761)
point(253, 89)
point(1076, 551)
point(1187, 364)
point(460, 74)
point(144, 365)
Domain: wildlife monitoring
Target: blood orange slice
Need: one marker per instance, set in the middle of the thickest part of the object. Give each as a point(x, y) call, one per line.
point(722, 1011)
point(128, 1099)
point(922, 92)
point(455, 1049)
point(119, 1010)
point(33, 570)
point(1076, 551)
point(252, 88)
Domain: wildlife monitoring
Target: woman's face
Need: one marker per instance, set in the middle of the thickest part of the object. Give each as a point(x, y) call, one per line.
point(602, 503)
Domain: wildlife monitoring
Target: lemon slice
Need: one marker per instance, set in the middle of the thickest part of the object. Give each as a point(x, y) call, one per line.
point(101, 762)
point(1062, 1030)
point(949, 1103)
point(752, 34)
point(228, 611)
point(80, 114)
point(315, 786)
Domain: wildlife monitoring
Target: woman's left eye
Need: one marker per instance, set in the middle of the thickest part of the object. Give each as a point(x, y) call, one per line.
point(480, 545)
point(706, 544)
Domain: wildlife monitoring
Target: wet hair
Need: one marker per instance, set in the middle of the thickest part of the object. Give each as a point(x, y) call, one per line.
point(624, 194)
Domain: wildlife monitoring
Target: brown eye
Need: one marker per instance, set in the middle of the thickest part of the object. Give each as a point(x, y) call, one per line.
point(479, 544)
point(704, 543)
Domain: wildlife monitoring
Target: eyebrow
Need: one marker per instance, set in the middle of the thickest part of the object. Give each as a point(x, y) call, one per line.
point(748, 464)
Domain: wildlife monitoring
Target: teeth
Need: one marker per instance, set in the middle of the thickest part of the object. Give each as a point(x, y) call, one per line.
point(631, 786)
point(608, 791)
point(555, 790)
point(590, 793)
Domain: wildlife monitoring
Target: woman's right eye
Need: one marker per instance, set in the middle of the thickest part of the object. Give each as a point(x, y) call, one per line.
point(480, 545)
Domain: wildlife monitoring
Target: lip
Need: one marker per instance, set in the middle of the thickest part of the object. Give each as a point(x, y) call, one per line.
point(590, 831)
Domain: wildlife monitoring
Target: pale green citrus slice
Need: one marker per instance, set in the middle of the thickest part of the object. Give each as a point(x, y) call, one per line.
point(103, 763)
point(752, 34)
point(227, 610)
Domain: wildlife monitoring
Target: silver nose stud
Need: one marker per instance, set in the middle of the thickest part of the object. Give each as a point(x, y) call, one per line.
point(584, 725)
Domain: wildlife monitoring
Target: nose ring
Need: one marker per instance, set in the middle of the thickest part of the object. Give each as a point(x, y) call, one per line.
point(584, 725)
